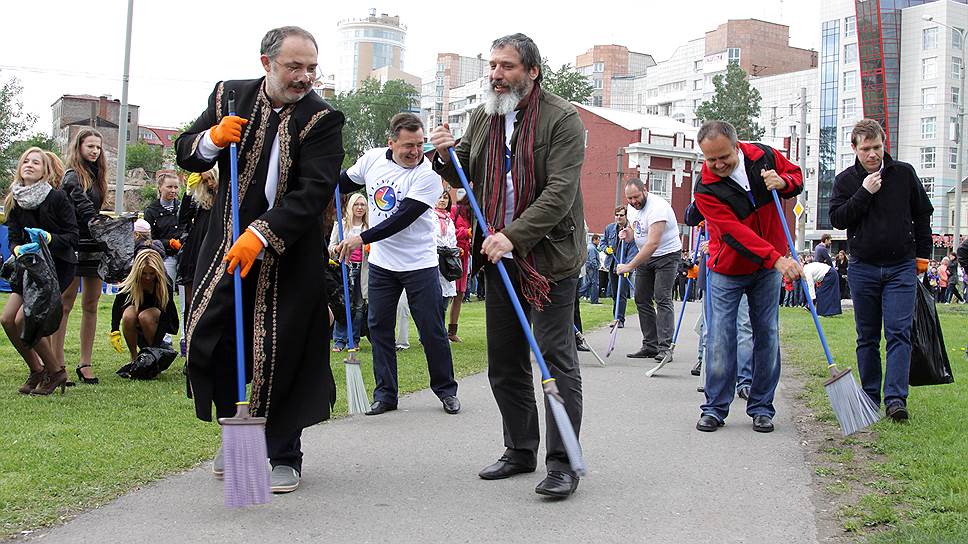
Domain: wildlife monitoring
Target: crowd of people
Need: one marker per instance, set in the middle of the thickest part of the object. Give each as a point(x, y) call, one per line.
point(405, 213)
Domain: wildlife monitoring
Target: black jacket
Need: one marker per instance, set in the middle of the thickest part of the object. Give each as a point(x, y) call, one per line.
point(889, 226)
point(87, 203)
point(55, 215)
point(164, 224)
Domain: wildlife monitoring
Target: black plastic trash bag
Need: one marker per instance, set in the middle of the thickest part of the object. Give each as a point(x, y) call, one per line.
point(148, 364)
point(42, 307)
point(117, 238)
point(333, 284)
point(929, 359)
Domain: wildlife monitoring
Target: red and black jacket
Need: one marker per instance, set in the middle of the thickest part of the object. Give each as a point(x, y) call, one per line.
point(745, 234)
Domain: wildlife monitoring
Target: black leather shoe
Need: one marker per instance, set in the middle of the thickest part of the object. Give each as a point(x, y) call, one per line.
point(378, 407)
point(763, 424)
point(708, 423)
point(558, 484)
point(697, 370)
point(643, 353)
point(897, 411)
point(621, 324)
point(743, 392)
point(504, 468)
point(451, 404)
point(581, 345)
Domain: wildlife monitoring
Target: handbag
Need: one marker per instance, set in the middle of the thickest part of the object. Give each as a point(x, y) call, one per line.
point(449, 263)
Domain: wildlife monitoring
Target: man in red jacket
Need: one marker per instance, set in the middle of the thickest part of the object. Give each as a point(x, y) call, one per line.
point(746, 255)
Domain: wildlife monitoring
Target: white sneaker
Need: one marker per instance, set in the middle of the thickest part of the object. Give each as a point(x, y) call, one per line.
point(283, 479)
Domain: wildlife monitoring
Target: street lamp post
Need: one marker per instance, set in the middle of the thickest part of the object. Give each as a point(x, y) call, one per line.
point(956, 239)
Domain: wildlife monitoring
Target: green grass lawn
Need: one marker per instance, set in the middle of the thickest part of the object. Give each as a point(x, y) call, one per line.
point(63, 454)
point(899, 483)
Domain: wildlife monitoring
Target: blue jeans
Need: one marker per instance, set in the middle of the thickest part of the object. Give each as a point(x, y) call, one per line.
point(744, 345)
point(340, 338)
point(424, 296)
point(883, 293)
point(589, 286)
point(762, 289)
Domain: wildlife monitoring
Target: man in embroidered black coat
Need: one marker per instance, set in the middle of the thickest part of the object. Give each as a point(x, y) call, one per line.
point(284, 303)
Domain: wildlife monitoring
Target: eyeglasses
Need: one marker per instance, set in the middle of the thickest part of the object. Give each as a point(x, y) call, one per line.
point(297, 70)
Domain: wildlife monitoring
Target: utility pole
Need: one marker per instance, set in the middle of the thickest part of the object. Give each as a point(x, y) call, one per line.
point(802, 158)
point(620, 155)
point(123, 118)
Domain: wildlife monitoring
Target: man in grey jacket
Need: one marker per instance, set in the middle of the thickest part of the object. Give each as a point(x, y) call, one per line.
point(524, 149)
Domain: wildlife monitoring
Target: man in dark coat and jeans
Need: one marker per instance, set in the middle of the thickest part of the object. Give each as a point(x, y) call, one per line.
point(887, 214)
point(524, 148)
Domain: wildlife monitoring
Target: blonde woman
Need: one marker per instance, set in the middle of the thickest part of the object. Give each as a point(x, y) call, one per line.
point(144, 308)
point(200, 190)
point(354, 222)
point(36, 210)
point(85, 182)
point(56, 169)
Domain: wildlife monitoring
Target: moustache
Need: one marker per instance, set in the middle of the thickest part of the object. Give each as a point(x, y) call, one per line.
point(299, 86)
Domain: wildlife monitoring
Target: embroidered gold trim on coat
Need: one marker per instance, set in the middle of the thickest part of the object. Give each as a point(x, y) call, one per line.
point(274, 240)
point(265, 299)
point(285, 156)
point(219, 90)
point(197, 140)
point(312, 122)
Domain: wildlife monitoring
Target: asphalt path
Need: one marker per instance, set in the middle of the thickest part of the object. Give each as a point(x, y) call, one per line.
point(411, 475)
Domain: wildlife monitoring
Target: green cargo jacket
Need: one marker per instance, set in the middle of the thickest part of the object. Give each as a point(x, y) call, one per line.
point(552, 226)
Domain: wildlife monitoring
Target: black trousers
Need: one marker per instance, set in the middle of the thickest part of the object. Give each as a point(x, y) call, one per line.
point(509, 365)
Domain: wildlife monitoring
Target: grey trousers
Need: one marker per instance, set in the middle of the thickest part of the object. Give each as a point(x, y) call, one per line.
point(653, 298)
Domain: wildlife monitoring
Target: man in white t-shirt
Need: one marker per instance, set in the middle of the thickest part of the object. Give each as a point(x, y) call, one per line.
point(401, 188)
point(653, 226)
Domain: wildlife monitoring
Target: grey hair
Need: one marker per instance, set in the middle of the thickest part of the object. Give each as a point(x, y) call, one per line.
point(526, 48)
point(272, 41)
point(711, 129)
point(637, 183)
point(404, 121)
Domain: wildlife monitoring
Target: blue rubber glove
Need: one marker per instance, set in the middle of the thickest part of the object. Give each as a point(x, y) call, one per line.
point(32, 247)
point(37, 234)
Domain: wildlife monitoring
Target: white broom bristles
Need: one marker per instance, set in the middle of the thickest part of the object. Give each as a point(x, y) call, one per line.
point(568, 437)
point(666, 359)
point(246, 470)
point(853, 408)
point(357, 401)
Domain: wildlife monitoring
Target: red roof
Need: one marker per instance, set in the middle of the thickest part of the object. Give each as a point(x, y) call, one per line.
point(165, 135)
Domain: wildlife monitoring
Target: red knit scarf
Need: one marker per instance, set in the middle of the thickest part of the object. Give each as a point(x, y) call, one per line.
point(534, 286)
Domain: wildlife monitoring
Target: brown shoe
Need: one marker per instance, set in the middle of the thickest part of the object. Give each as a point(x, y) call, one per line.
point(452, 333)
point(51, 382)
point(32, 382)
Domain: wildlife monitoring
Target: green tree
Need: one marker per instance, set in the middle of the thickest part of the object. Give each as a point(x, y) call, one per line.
point(566, 82)
point(735, 101)
point(142, 155)
point(368, 110)
point(13, 151)
point(14, 123)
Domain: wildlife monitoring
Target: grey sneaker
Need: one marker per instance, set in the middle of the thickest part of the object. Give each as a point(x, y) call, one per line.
point(743, 392)
point(218, 464)
point(283, 479)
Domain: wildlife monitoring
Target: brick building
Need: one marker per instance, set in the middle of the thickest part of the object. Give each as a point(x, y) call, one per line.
point(452, 71)
point(71, 113)
point(602, 63)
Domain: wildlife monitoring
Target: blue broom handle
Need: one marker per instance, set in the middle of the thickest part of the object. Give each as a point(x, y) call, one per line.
point(237, 275)
point(482, 223)
point(803, 281)
point(621, 260)
point(682, 312)
point(342, 265)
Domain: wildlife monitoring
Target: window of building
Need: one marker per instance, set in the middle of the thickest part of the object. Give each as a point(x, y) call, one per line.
point(847, 108)
point(696, 103)
point(598, 83)
point(793, 108)
point(955, 67)
point(850, 81)
point(652, 110)
point(846, 160)
point(929, 97)
point(850, 24)
point(597, 101)
point(850, 53)
point(846, 139)
point(697, 84)
point(956, 38)
point(927, 157)
point(697, 66)
point(659, 183)
point(928, 184)
point(953, 158)
point(953, 129)
point(809, 151)
point(697, 122)
point(129, 116)
point(599, 67)
point(955, 96)
point(733, 55)
point(929, 68)
point(929, 38)
point(928, 128)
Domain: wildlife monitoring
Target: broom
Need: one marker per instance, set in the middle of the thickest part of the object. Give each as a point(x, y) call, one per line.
point(667, 358)
point(581, 338)
point(613, 336)
point(565, 429)
point(243, 436)
point(357, 401)
point(853, 408)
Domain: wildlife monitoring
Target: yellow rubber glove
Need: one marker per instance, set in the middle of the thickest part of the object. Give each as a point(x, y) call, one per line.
point(228, 131)
point(243, 253)
point(609, 250)
point(193, 179)
point(115, 338)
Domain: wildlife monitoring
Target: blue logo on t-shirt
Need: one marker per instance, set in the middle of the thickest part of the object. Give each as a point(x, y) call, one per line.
point(385, 198)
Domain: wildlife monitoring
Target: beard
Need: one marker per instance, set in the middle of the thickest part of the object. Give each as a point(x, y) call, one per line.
point(287, 94)
point(504, 103)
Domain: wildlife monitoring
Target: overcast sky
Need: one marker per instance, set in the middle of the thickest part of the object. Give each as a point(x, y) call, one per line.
point(181, 48)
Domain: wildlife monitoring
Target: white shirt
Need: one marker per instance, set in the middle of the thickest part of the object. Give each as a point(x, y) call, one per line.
point(814, 273)
point(656, 209)
point(387, 184)
point(739, 174)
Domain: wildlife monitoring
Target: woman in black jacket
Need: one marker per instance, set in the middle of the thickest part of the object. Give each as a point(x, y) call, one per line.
point(162, 215)
point(35, 211)
point(193, 222)
point(144, 309)
point(85, 182)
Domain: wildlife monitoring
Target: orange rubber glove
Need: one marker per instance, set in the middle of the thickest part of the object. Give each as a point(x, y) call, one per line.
point(228, 131)
point(366, 248)
point(243, 253)
point(922, 265)
point(174, 244)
